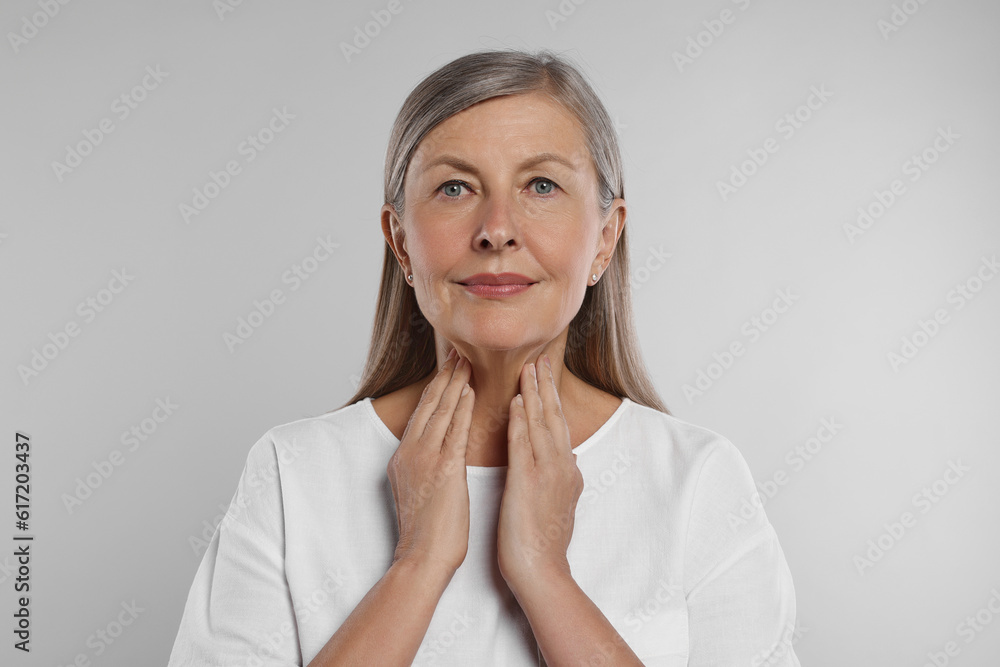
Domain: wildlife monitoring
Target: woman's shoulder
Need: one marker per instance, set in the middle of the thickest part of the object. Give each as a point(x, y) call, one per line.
point(649, 417)
point(703, 469)
point(351, 427)
point(687, 445)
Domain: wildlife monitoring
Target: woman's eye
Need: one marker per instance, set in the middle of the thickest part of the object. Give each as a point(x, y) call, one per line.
point(543, 186)
point(452, 189)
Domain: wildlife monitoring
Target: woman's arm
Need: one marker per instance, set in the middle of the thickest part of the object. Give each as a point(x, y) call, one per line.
point(389, 624)
point(738, 587)
point(569, 628)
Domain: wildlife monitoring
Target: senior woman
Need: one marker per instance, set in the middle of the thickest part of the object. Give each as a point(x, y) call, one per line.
point(506, 488)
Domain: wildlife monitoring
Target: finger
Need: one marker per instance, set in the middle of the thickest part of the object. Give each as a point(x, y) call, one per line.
point(431, 397)
point(519, 454)
point(554, 417)
point(456, 441)
point(439, 422)
point(538, 431)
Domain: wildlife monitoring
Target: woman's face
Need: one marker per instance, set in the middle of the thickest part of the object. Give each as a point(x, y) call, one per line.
point(507, 185)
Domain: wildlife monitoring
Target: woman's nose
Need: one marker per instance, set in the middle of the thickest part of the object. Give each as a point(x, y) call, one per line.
point(498, 224)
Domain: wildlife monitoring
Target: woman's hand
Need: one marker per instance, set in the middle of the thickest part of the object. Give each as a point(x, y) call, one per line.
point(427, 472)
point(543, 484)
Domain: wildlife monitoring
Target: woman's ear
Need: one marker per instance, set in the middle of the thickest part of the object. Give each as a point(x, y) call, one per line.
point(392, 230)
point(614, 225)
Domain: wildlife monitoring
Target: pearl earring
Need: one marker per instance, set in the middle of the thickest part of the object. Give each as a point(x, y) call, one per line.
point(409, 278)
point(593, 276)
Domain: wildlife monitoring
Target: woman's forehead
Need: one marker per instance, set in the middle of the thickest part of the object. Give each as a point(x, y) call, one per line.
point(521, 132)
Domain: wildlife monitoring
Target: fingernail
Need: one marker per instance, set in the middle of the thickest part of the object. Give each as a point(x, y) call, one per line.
point(531, 369)
point(547, 362)
point(451, 354)
point(519, 400)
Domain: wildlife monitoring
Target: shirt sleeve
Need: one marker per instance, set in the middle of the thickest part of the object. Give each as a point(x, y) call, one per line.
point(739, 591)
point(239, 610)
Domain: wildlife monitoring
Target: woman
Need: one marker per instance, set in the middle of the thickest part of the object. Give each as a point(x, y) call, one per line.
point(505, 488)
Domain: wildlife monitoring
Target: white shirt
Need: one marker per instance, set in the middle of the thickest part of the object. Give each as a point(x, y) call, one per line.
point(670, 542)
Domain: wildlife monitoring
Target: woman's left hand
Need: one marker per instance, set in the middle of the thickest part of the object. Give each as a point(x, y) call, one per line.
point(543, 484)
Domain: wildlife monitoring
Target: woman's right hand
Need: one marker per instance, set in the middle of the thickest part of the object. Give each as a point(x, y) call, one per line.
point(427, 472)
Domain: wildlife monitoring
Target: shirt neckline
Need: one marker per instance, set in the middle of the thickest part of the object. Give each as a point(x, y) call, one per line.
point(484, 471)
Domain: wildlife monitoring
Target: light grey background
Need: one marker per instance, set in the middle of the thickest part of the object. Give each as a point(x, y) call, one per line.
point(682, 128)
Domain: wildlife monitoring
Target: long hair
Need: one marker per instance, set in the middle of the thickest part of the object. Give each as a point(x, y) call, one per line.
point(602, 347)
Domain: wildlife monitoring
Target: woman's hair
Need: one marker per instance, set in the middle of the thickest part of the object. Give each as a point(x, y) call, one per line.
point(602, 347)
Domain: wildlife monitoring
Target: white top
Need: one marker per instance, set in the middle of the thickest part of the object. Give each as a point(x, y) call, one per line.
point(670, 542)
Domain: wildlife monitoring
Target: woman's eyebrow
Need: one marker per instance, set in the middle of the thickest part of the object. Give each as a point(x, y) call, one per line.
point(462, 165)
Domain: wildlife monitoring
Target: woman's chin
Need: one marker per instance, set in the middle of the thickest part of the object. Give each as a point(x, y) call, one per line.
point(499, 338)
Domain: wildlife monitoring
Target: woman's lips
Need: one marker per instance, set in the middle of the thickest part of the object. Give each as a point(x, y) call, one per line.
point(497, 290)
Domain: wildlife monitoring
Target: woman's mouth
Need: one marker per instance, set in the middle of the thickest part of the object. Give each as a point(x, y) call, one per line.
point(482, 289)
point(497, 284)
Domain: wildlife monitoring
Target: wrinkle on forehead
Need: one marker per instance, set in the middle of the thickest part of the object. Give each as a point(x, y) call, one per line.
point(505, 130)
